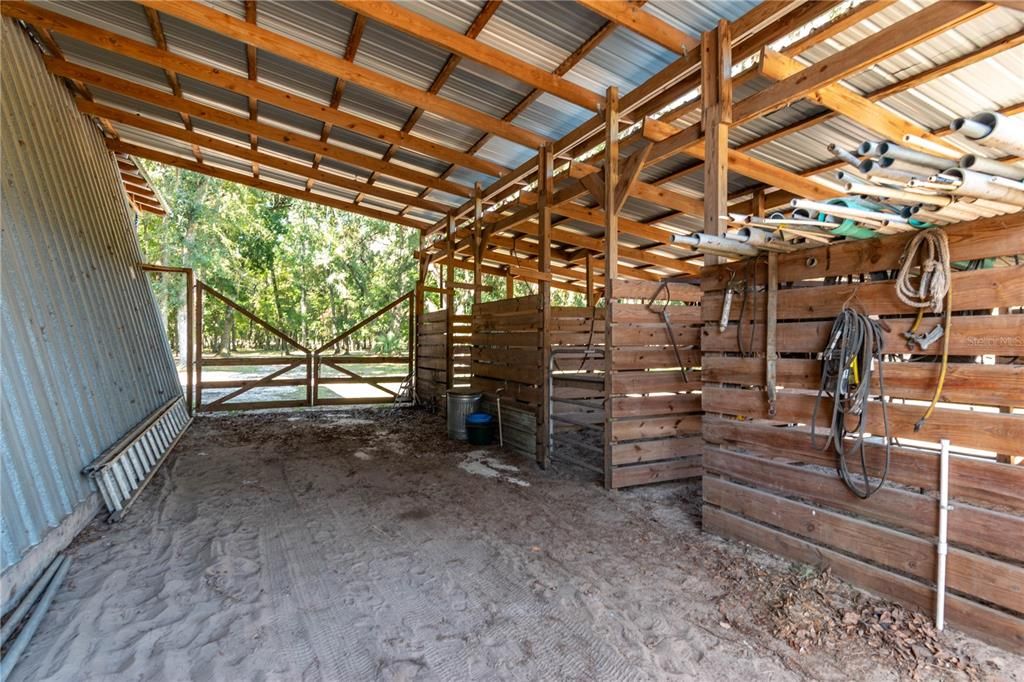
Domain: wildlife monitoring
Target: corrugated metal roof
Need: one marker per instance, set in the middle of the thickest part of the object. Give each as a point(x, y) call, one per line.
point(85, 357)
point(544, 33)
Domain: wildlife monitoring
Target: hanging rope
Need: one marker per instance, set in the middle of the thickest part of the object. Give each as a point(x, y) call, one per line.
point(855, 343)
point(934, 289)
point(934, 276)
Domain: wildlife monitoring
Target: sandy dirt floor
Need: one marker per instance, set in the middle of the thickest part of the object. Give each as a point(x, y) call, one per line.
point(362, 545)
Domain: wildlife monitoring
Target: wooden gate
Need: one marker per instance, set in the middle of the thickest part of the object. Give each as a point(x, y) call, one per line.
point(295, 356)
point(387, 376)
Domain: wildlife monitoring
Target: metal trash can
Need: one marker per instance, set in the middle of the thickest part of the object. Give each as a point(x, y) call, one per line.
point(462, 402)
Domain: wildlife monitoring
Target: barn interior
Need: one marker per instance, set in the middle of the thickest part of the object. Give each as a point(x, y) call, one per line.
point(738, 285)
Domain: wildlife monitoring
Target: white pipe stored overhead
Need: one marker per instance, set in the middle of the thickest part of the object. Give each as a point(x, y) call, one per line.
point(991, 167)
point(978, 185)
point(844, 211)
point(894, 151)
point(716, 246)
point(994, 130)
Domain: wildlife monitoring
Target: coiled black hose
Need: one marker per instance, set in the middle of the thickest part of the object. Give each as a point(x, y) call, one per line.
point(855, 343)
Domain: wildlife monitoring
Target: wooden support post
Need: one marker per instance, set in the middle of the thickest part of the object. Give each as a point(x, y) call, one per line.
point(190, 311)
point(611, 262)
point(716, 115)
point(546, 188)
point(478, 243)
point(419, 305)
point(449, 346)
point(510, 287)
point(200, 287)
point(771, 326)
point(591, 293)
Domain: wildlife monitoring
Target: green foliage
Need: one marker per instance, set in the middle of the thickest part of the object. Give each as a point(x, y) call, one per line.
point(310, 270)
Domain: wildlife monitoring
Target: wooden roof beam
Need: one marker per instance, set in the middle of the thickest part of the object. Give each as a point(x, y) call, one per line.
point(481, 19)
point(113, 42)
point(628, 15)
point(244, 125)
point(253, 156)
point(259, 183)
point(250, 67)
point(156, 28)
point(298, 51)
point(396, 16)
point(355, 37)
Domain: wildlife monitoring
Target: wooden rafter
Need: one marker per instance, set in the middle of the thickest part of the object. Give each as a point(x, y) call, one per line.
point(636, 19)
point(156, 28)
point(254, 156)
point(355, 37)
point(481, 19)
point(113, 42)
point(250, 67)
point(259, 183)
point(298, 51)
point(405, 20)
point(244, 125)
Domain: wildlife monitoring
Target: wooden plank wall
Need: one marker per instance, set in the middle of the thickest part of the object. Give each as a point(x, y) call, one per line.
point(655, 431)
point(506, 354)
point(766, 484)
point(579, 379)
point(431, 358)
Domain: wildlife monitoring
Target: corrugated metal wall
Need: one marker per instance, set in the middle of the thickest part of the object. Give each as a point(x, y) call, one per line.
point(83, 355)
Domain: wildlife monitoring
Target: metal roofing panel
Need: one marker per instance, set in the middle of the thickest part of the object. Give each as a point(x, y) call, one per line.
point(354, 141)
point(623, 59)
point(345, 169)
point(75, 308)
point(543, 33)
point(225, 100)
point(696, 17)
point(334, 192)
point(290, 120)
point(189, 40)
point(396, 54)
point(421, 163)
point(552, 116)
point(284, 178)
point(485, 89)
point(454, 14)
point(374, 106)
point(293, 77)
point(136, 107)
point(223, 132)
point(323, 25)
point(145, 138)
point(231, 163)
point(122, 67)
point(286, 152)
point(449, 133)
point(118, 16)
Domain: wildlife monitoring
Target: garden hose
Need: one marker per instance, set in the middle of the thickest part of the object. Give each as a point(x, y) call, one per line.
point(854, 345)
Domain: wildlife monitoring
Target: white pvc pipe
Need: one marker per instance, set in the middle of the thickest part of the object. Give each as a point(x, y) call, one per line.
point(717, 246)
point(991, 167)
point(843, 155)
point(893, 163)
point(1003, 133)
point(872, 168)
point(942, 549)
point(762, 239)
point(977, 185)
point(898, 195)
point(1006, 182)
point(888, 149)
point(936, 148)
point(869, 148)
point(844, 211)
